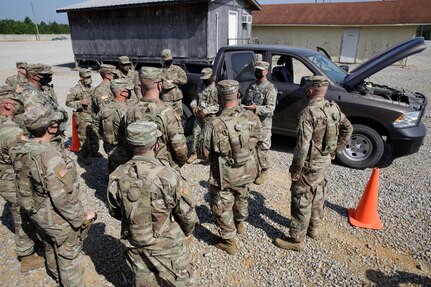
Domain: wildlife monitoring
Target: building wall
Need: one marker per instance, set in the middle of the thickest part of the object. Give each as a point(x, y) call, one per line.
point(372, 39)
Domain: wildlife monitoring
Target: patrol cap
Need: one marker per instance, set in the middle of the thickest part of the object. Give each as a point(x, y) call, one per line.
point(166, 54)
point(85, 73)
point(316, 81)
point(7, 93)
point(150, 73)
point(108, 68)
point(38, 69)
point(142, 133)
point(121, 83)
point(21, 64)
point(261, 65)
point(40, 117)
point(228, 89)
point(206, 73)
point(124, 60)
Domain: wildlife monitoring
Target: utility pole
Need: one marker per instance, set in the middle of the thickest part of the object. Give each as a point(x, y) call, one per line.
point(35, 23)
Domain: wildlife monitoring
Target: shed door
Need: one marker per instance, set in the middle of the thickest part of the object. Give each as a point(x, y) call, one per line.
point(233, 28)
point(349, 45)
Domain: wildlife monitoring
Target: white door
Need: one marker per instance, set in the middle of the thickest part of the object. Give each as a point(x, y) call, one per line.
point(233, 28)
point(349, 45)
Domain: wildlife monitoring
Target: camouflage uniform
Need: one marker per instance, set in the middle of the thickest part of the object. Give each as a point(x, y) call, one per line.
point(111, 116)
point(264, 95)
point(172, 94)
point(206, 102)
point(102, 94)
point(86, 118)
point(48, 190)
point(131, 76)
point(154, 203)
point(17, 81)
point(229, 179)
point(310, 166)
point(172, 144)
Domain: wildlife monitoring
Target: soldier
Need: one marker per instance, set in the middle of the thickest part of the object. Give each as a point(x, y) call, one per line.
point(173, 77)
point(102, 94)
point(205, 107)
point(127, 72)
point(48, 190)
point(17, 81)
point(322, 130)
point(80, 98)
point(154, 203)
point(12, 135)
point(172, 147)
point(261, 98)
point(110, 118)
point(229, 141)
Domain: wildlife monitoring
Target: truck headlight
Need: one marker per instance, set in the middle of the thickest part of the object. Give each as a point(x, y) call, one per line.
point(407, 120)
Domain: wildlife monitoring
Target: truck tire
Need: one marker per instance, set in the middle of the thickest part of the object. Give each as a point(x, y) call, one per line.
point(364, 149)
point(188, 120)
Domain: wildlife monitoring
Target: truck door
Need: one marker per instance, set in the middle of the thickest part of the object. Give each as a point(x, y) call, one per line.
point(239, 66)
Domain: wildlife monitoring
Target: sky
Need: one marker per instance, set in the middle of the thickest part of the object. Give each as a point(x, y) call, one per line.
point(45, 9)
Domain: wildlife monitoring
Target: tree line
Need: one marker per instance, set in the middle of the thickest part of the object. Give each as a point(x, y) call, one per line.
point(27, 26)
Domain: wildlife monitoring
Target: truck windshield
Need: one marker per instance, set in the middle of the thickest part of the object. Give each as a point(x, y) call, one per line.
point(328, 67)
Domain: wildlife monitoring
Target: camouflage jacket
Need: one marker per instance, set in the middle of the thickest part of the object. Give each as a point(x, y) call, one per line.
point(133, 79)
point(172, 144)
point(206, 99)
point(11, 135)
point(214, 144)
point(102, 95)
point(172, 91)
point(48, 90)
point(310, 133)
point(48, 187)
point(265, 98)
point(15, 81)
point(110, 120)
point(73, 100)
point(35, 97)
point(154, 202)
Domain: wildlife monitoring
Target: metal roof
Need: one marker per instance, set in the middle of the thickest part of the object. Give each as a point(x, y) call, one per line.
point(110, 4)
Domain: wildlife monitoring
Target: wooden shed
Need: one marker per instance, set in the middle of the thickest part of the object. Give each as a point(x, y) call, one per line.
point(102, 30)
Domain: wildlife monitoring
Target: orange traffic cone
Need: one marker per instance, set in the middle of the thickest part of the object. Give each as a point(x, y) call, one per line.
point(75, 146)
point(365, 215)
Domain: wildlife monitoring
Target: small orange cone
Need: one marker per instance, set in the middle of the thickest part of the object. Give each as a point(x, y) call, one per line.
point(365, 215)
point(75, 146)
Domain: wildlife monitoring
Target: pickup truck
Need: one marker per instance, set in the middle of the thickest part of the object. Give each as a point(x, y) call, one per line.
point(380, 114)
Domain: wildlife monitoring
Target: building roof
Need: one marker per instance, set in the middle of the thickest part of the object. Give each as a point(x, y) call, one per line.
point(407, 12)
point(112, 4)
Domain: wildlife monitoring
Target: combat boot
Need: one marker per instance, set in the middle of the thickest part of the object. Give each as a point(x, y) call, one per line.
point(290, 244)
point(262, 177)
point(312, 233)
point(31, 262)
point(192, 158)
point(240, 227)
point(228, 245)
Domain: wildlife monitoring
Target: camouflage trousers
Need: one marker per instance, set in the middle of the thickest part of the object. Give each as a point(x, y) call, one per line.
point(262, 151)
point(306, 207)
point(25, 232)
point(88, 137)
point(172, 265)
point(229, 206)
point(177, 106)
point(64, 261)
point(198, 125)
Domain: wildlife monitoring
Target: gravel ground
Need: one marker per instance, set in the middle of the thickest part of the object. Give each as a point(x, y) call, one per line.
point(397, 255)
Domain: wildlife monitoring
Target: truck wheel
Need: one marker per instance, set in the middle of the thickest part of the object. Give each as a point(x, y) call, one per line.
point(364, 149)
point(188, 120)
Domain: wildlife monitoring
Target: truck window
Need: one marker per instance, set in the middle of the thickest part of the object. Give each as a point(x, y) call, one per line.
point(299, 70)
point(238, 66)
point(282, 68)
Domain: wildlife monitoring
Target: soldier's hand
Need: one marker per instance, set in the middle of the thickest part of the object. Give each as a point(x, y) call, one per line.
point(19, 89)
point(84, 102)
point(251, 107)
point(188, 239)
point(91, 215)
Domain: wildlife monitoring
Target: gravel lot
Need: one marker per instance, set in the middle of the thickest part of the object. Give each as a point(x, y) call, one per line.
point(397, 255)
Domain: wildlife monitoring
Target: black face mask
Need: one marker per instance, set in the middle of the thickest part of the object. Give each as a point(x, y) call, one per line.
point(207, 82)
point(168, 62)
point(45, 80)
point(258, 74)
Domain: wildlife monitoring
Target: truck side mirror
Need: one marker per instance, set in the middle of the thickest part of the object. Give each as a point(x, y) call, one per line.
point(345, 68)
point(303, 79)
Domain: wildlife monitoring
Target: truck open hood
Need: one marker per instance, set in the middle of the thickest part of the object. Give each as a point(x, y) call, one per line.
point(384, 59)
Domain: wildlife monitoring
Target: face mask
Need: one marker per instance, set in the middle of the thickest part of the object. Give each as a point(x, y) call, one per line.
point(258, 74)
point(87, 81)
point(45, 80)
point(168, 62)
point(207, 82)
